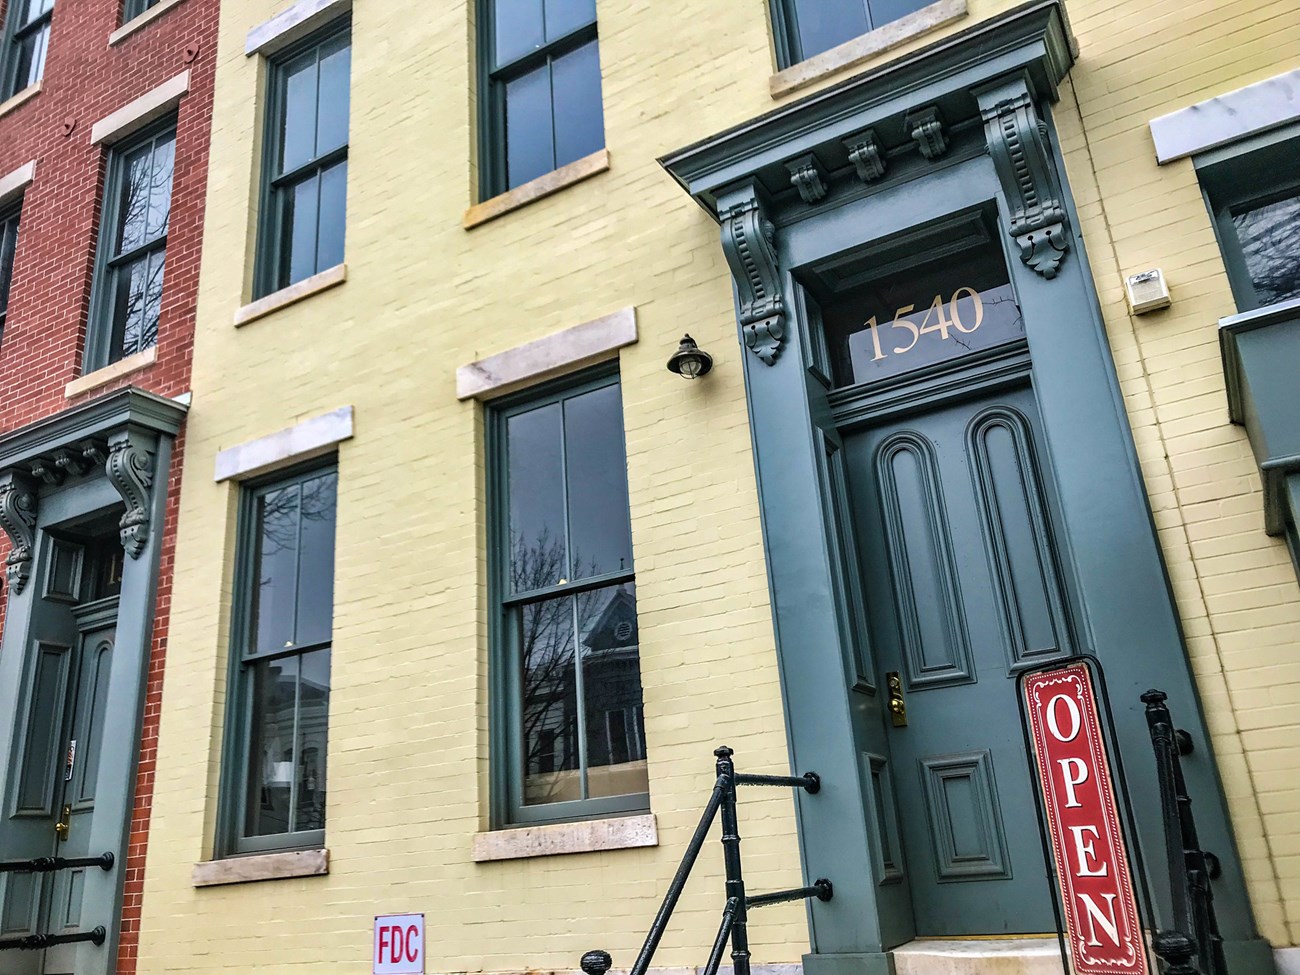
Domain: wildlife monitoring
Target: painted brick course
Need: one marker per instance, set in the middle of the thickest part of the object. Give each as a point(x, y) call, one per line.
point(409, 731)
point(43, 343)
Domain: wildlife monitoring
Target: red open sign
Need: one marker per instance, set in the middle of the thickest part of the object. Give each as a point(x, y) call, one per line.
point(1092, 864)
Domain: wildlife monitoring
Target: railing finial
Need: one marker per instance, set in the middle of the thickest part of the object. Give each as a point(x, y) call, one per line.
point(596, 962)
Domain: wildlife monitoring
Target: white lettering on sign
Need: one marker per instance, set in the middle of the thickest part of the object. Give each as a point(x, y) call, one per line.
point(1075, 718)
point(1086, 849)
point(399, 944)
point(1080, 776)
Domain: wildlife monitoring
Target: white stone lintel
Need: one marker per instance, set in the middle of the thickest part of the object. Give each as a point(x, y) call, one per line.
point(13, 184)
point(620, 833)
point(138, 113)
point(1226, 118)
point(544, 358)
point(303, 441)
point(293, 23)
point(264, 866)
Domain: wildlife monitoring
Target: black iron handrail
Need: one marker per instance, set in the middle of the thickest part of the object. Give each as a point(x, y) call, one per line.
point(735, 913)
point(38, 942)
point(49, 864)
point(1193, 946)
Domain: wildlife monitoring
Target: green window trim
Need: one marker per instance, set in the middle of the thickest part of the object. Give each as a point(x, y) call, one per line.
point(130, 257)
point(569, 102)
point(1242, 178)
point(132, 9)
point(286, 536)
point(604, 722)
point(8, 247)
point(303, 187)
point(26, 39)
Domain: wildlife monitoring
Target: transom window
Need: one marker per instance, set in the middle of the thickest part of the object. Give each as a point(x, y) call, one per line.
point(26, 40)
point(567, 706)
point(540, 88)
point(306, 164)
point(805, 28)
point(275, 784)
point(132, 251)
point(8, 246)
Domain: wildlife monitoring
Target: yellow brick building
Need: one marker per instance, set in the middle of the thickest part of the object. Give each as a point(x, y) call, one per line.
point(772, 597)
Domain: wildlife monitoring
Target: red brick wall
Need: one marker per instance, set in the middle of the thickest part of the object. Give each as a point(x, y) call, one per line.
point(44, 337)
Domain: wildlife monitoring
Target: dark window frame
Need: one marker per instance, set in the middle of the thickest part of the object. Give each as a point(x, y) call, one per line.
point(505, 709)
point(10, 218)
point(1240, 177)
point(269, 270)
point(492, 81)
point(132, 9)
point(233, 793)
point(785, 29)
point(14, 35)
point(103, 287)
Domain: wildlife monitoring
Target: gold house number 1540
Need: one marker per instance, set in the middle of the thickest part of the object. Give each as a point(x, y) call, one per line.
point(939, 317)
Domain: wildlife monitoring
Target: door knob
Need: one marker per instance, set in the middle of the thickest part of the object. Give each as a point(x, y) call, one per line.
point(897, 706)
point(64, 824)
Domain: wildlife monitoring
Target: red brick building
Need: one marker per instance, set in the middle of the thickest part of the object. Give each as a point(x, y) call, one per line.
point(105, 111)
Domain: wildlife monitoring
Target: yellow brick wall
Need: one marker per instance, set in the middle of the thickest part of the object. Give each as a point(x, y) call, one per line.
point(407, 762)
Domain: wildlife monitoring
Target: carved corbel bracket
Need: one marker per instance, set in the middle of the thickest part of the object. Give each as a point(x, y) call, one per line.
point(807, 177)
point(1017, 141)
point(866, 155)
point(748, 242)
point(130, 470)
point(925, 126)
point(19, 503)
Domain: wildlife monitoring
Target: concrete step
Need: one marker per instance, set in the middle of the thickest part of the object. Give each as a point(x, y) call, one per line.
point(984, 956)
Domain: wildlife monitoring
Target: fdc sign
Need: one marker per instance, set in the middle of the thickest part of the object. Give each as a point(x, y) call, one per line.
point(399, 944)
point(1092, 865)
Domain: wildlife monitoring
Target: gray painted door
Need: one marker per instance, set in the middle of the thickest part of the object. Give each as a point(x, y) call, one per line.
point(965, 587)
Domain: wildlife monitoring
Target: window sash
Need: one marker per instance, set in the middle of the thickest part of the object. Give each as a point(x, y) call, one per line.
point(237, 762)
point(506, 722)
point(8, 250)
point(18, 34)
point(134, 8)
point(273, 270)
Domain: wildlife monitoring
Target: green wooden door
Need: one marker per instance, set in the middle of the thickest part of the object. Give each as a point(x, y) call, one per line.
point(965, 586)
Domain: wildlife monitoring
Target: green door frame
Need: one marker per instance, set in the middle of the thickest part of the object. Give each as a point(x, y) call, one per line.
point(961, 122)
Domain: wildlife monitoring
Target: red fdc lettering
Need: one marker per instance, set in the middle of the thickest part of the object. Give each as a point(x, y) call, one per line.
point(411, 934)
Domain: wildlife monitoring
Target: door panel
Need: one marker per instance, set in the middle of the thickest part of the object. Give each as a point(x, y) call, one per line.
point(965, 586)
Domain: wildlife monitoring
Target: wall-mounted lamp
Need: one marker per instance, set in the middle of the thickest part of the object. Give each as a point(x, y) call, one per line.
point(690, 360)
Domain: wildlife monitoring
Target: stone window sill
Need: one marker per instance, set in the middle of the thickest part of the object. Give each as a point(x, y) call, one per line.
point(114, 371)
point(264, 866)
point(852, 53)
point(321, 281)
point(28, 93)
point(621, 833)
point(537, 189)
point(142, 20)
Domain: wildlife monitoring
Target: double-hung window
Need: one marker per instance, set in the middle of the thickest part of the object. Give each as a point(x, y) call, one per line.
point(304, 191)
point(26, 39)
point(540, 103)
point(132, 251)
point(805, 28)
point(8, 245)
point(278, 719)
point(134, 8)
point(567, 715)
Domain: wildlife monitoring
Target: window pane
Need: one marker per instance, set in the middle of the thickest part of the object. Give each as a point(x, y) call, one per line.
point(611, 690)
point(275, 567)
point(579, 124)
point(333, 101)
point(565, 16)
point(536, 489)
point(823, 24)
point(530, 145)
point(316, 574)
point(549, 708)
point(298, 250)
point(160, 186)
point(333, 215)
point(298, 102)
point(130, 298)
point(518, 28)
point(312, 738)
point(1270, 242)
point(8, 245)
point(133, 201)
point(272, 761)
point(29, 59)
point(599, 532)
point(886, 11)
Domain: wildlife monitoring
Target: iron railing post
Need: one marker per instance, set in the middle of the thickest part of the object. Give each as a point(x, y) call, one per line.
point(731, 862)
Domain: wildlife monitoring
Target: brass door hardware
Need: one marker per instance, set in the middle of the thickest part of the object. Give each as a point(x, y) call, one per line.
point(897, 706)
point(64, 824)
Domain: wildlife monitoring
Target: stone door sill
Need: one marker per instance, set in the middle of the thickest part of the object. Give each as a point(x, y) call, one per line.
point(979, 956)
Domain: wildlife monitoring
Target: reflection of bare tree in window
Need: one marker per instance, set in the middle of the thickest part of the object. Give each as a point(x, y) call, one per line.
point(140, 246)
point(1270, 243)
